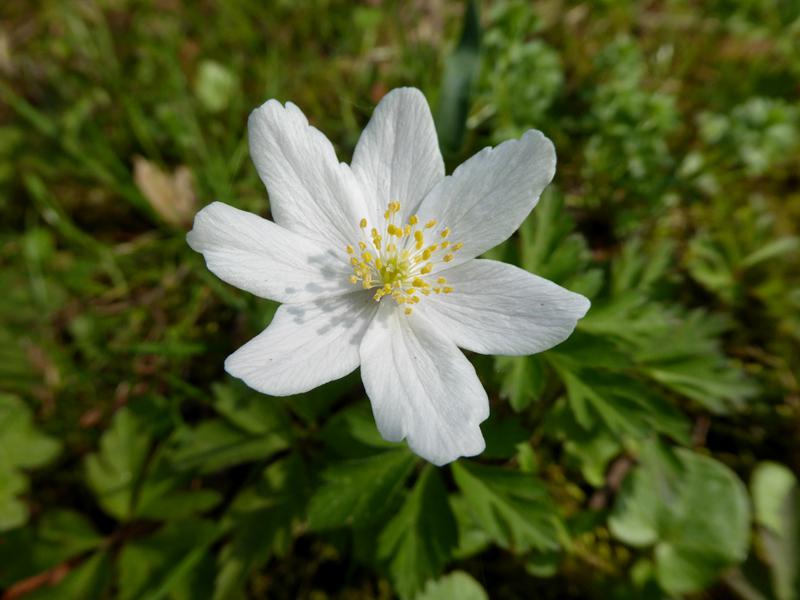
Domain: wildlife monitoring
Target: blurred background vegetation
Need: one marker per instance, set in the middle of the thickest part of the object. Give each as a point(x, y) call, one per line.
point(654, 454)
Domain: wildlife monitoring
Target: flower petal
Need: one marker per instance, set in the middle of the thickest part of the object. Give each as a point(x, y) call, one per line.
point(397, 156)
point(486, 199)
point(310, 191)
point(305, 346)
point(496, 308)
point(422, 387)
point(257, 255)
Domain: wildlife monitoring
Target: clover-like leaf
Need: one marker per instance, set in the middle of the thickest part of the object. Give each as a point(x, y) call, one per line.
point(457, 584)
point(668, 507)
point(776, 502)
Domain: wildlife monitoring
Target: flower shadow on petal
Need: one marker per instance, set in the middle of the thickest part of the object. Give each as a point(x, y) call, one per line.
point(333, 280)
point(301, 314)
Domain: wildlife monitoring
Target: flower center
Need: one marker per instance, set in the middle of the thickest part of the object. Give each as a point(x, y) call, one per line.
point(398, 260)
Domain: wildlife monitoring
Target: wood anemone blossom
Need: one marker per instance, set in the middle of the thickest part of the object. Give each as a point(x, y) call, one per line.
point(375, 266)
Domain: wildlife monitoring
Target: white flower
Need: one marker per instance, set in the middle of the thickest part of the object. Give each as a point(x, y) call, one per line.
point(375, 266)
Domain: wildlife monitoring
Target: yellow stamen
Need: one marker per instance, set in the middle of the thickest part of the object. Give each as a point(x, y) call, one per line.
point(398, 273)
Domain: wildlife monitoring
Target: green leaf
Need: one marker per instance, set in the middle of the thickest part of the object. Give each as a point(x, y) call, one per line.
point(250, 412)
point(456, 585)
point(772, 486)
point(521, 379)
point(776, 500)
point(115, 471)
point(593, 449)
point(460, 72)
point(88, 581)
point(549, 247)
point(419, 540)
point(160, 497)
point(352, 433)
point(22, 446)
point(214, 445)
point(512, 507)
point(667, 506)
point(260, 519)
point(472, 538)
point(687, 359)
point(13, 512)
point(503, 435)
point(679, 350)
point(69, 531)
point(215, 85)
point(358, 491)
point(165, 564)
point(129, 483)
point(637, 268)
point(610, 394)
point(771, 250)
point(55, 537)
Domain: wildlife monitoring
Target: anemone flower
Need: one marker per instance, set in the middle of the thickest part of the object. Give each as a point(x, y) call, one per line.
point(375, 266)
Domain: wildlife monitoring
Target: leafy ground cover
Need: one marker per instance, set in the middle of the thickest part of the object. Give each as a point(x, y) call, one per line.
point(654, 454)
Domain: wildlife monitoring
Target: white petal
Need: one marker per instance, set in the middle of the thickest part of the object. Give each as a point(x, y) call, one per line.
point(310, 191)
point(257, 255)
point(397, 156)
point(422, 387)
point(496, 308)
point(486, 198)
point(305, 346)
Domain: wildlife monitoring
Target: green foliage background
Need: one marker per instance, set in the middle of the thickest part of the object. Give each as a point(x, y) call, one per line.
point(654, 454)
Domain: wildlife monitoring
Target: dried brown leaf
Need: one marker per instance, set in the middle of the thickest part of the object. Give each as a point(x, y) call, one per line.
point(170, 194)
